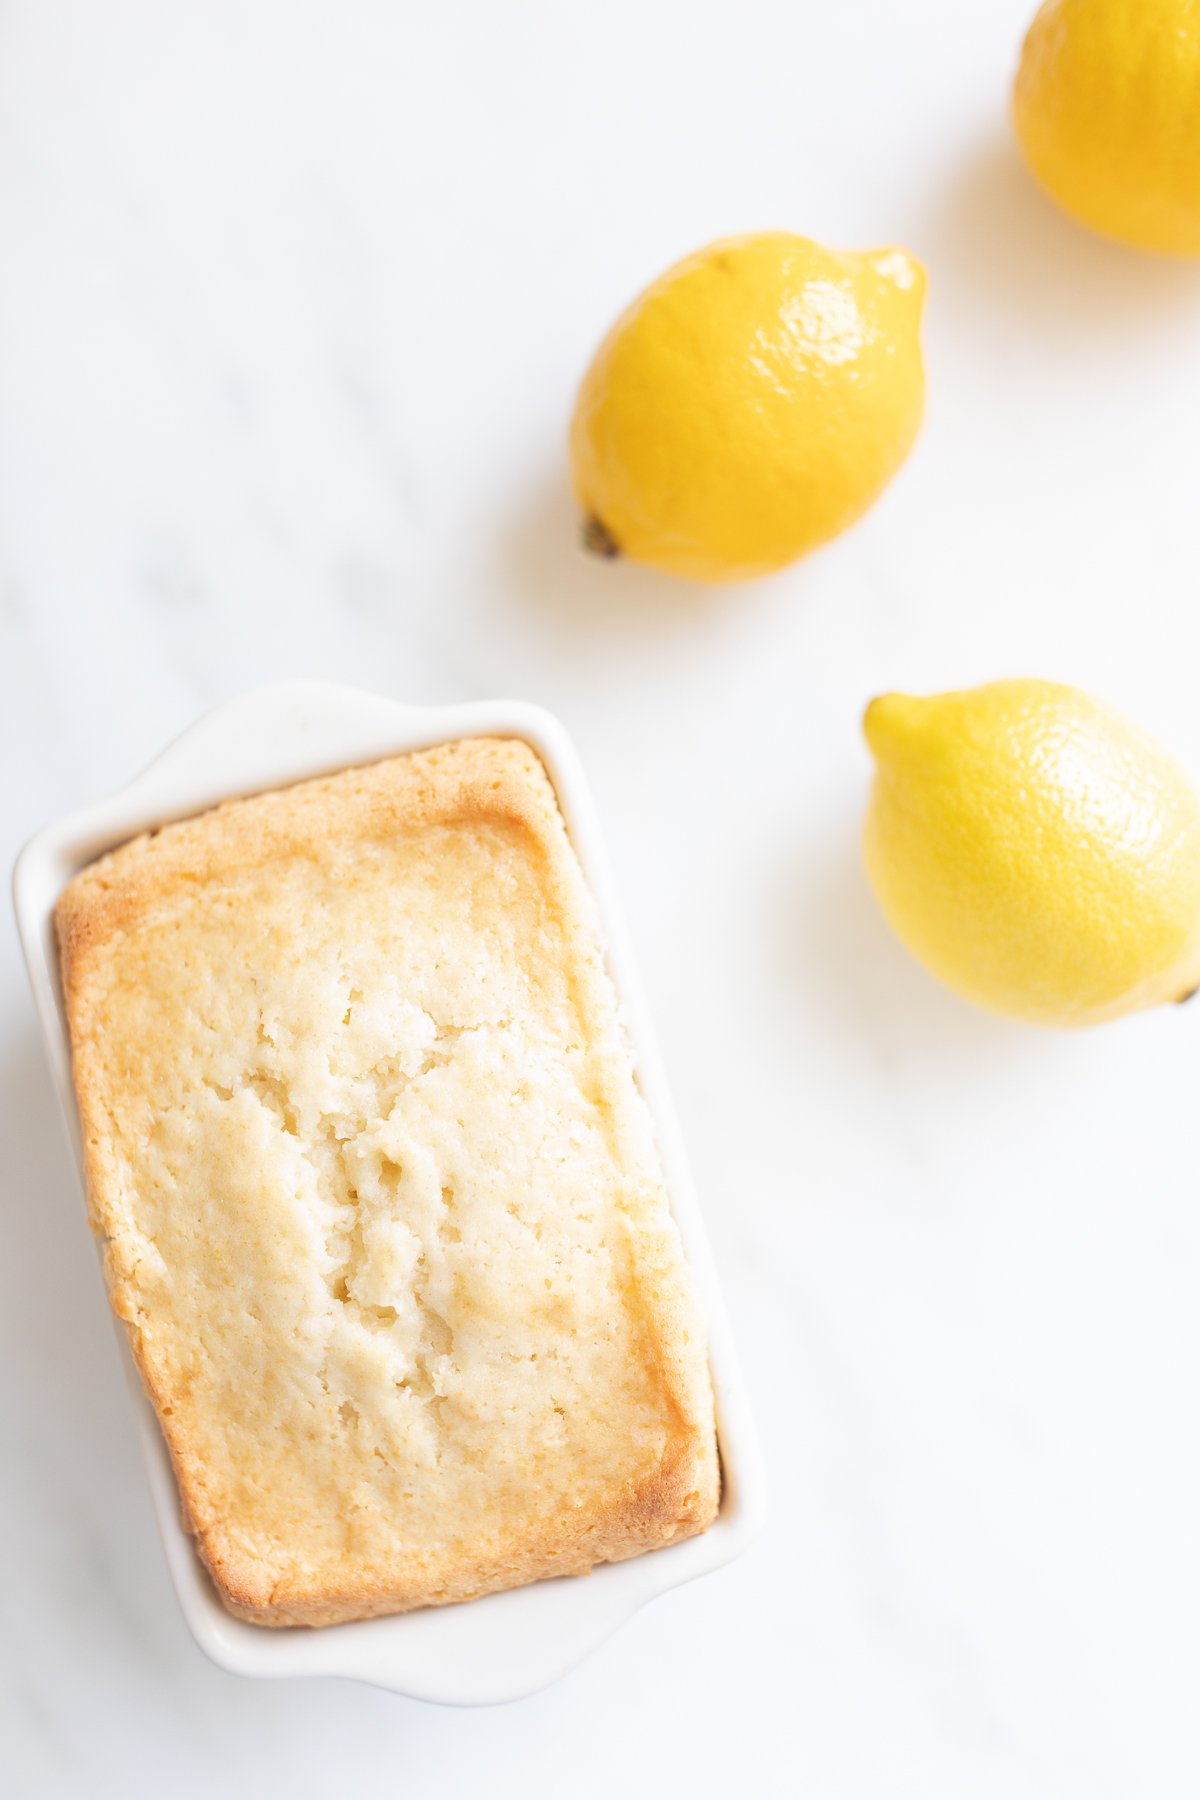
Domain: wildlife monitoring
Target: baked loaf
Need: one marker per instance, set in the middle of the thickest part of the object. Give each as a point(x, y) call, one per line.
point(380, 1203)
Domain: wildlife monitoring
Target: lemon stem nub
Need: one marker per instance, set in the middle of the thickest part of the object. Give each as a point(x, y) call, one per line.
point(599, 540)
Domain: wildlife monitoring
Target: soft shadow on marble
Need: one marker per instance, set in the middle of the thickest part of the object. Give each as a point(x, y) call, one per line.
point(563, 588)
point(844, 960)
point(993, 231)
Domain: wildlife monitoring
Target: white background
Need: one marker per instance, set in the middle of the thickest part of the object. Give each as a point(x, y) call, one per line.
point(293, 302)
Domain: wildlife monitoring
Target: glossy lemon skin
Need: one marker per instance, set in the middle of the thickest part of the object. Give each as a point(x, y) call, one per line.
point(750, 404)
point(1036, 850)
point(1107, 113)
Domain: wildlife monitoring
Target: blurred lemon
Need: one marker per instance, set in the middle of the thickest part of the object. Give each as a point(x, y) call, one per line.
point(1107, 112)
point(749, 405)
point(1038, 851)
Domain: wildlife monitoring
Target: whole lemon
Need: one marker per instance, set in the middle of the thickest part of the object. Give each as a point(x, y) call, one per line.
point(1107, 113)
point(749, 405)
point(1038, 851)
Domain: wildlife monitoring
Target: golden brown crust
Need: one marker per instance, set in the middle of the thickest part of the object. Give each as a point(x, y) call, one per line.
point(126, 896)
point(487, 778)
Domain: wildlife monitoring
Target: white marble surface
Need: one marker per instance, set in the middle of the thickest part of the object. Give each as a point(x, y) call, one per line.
point(294, 299)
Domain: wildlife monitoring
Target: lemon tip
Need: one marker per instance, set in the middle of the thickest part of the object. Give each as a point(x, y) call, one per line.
point(877, 720)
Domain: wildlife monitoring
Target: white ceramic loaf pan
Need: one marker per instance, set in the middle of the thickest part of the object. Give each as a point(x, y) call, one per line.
point(509, 1644)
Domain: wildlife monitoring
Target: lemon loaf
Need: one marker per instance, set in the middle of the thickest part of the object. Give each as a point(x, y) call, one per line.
point(380, 1203)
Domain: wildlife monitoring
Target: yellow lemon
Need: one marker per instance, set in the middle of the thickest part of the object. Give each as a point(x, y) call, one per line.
point(1107, 112)
point(749, 405)
point(1038, 851)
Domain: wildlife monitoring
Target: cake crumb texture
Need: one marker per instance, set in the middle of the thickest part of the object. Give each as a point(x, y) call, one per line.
point(381, 1207)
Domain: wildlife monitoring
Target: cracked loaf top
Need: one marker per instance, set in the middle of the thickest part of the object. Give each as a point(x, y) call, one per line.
point(380, 1204)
